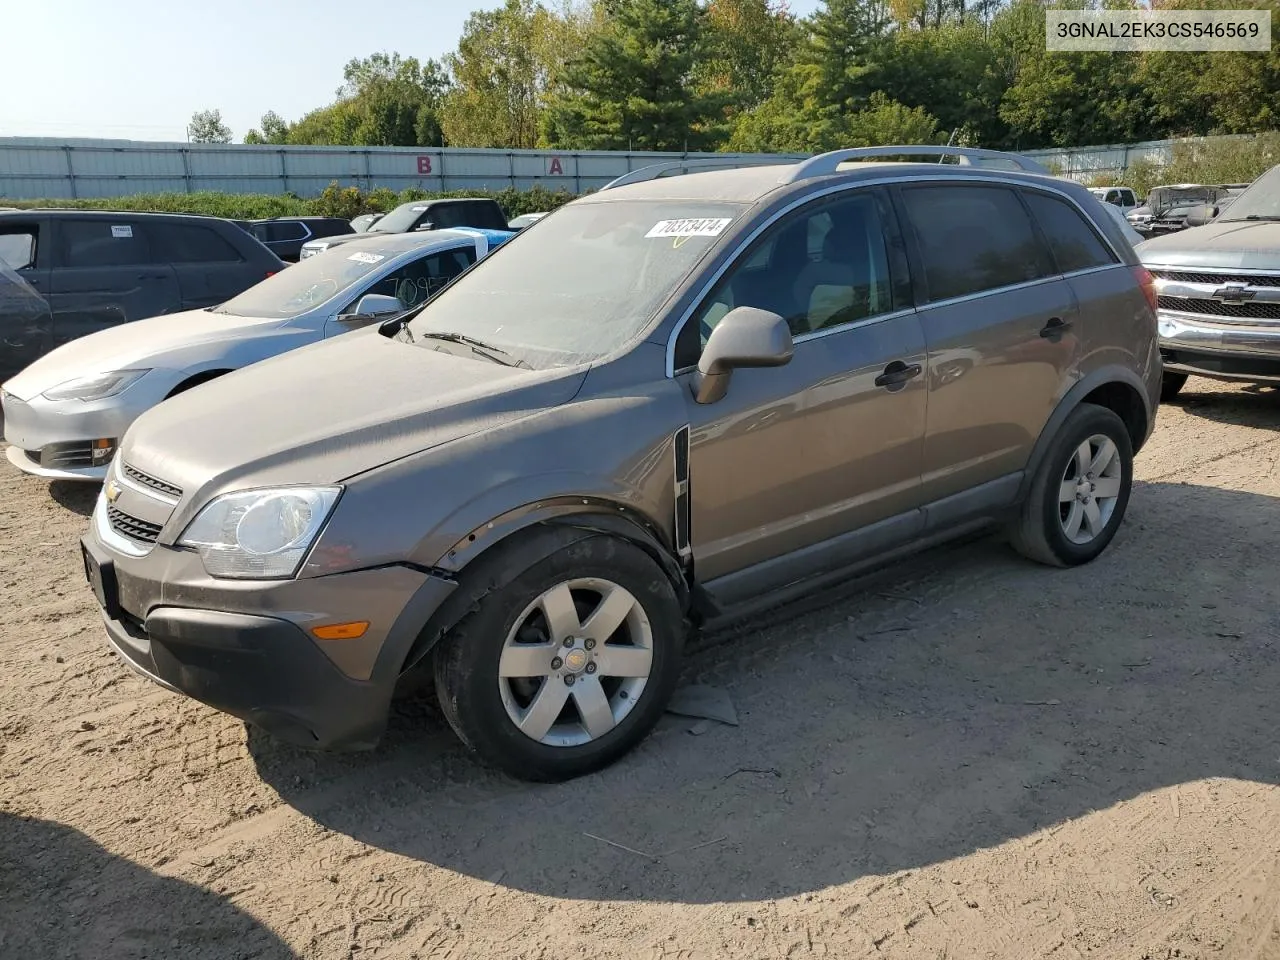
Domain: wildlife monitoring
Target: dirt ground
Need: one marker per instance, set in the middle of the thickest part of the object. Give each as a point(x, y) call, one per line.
point(970, 756)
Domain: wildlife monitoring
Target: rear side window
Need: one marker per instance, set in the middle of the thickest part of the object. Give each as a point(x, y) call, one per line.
point(18, 247)
point(973, 239)
point(1075, 244)
point(190, 243)
point(103, 243)
point(281, 232)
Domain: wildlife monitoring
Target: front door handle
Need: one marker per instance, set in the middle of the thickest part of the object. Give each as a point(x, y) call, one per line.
point(152, 276)
point(897, 374)
point(1054, 329)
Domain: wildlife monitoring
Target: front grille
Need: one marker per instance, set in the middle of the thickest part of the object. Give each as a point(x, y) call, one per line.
point(1219, 278)
point(1216, 308)
point(137, 476)
point(132, 527)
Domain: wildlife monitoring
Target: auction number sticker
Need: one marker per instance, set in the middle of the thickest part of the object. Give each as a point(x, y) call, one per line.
point(363, 257)
point(700, 227)
point(122, 233)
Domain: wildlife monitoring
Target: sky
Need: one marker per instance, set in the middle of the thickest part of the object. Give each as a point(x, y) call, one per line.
point(138, 69)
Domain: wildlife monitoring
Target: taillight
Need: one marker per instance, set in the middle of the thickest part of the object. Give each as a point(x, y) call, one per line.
point(1148, 284)
point(270, 273)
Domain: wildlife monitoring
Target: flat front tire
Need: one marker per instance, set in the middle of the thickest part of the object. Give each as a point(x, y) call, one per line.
point(566, 666)
point(1080, 490)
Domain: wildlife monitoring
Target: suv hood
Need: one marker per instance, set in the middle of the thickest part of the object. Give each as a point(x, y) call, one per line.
point(141, 343)
point(325, 412)
point(1235, 245)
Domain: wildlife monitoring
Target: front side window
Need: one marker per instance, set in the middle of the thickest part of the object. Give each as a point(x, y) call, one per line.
point(973, 238)
point(18, 247)
point(823, 266)
point(587, 282)
point(1075, 244)
point(103, 243)
point(417, 282)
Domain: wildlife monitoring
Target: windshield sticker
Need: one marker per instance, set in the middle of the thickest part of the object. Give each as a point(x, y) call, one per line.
point(700, 227)
point(123, 233)
point(363, 257)
point(418, 209)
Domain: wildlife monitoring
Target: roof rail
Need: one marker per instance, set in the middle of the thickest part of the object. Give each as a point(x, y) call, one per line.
point(654, 171)
point(827, 163)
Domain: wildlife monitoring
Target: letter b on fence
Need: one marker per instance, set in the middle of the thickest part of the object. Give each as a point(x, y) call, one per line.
point(424, 166)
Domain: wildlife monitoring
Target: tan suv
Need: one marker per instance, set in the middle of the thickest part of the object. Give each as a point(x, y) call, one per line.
point(676, 401)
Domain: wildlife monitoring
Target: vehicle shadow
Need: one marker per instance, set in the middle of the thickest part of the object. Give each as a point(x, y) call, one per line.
point(75, 495)
point(65, 896)
point(1247, 405)
point(965, 699)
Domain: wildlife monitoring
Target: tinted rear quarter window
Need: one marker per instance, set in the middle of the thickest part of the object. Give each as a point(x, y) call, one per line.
point(285, 231)
point(191, 243)
point(973, 239)
point(103, 243)
point(1075, 244)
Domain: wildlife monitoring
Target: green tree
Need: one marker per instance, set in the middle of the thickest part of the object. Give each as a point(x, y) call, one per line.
point(747, 44)
point(206, 126)
point(633, 85)
point(504, 65)
point(274, 130)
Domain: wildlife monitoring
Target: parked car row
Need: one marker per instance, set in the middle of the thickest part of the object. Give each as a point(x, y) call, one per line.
point(678, 399)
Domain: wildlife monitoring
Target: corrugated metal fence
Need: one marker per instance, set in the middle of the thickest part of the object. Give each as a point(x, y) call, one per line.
point(40, 168)
point(1083, 163)
point(46, 168)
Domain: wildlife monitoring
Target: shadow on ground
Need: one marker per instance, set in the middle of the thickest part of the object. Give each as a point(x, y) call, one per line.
point(1249, 405)
point(965, 699)
point(75, 495)
point(65, 896)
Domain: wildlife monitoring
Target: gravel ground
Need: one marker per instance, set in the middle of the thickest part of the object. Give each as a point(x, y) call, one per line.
point(970, 756)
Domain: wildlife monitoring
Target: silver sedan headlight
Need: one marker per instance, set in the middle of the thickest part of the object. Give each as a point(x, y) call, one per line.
point(99, 386)
point(259, 534)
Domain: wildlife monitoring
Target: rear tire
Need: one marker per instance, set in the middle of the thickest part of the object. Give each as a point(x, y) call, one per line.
point(1171, 385)
point(1080, 491)
point(528, 683)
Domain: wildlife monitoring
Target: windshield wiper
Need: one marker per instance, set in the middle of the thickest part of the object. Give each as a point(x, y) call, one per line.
point(486, 350)
point(1252, 216)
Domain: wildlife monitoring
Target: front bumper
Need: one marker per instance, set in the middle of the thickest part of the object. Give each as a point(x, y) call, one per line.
point(54, 438)
point(244, 647)
point(1225, 351)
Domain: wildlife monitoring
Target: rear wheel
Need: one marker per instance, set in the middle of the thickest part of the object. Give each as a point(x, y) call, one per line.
point(1171, 385)
point(568, 665)
point(1080, 490)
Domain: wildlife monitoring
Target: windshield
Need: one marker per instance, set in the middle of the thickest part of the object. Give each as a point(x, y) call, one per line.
point(1261, 201)
point(401, 219)
point(306, 284)
point(583, 284)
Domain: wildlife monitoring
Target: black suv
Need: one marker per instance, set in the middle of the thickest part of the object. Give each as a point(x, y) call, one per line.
point(483, 214)
point(284, 236)
point(97, 269)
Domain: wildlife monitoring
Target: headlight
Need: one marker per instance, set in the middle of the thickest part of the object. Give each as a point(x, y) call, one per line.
point(259, 534)
point(97, 387)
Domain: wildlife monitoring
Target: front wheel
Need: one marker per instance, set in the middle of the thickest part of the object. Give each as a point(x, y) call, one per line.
point(1080, 491)
point(568, 665)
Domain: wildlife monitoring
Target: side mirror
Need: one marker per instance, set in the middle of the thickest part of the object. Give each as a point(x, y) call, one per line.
point(745, 337)
point(1201, 215)
point(374, 305)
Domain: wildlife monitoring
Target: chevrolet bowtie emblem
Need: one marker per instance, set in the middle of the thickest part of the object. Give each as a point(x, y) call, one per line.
point(1234, 293)
point(112, 491)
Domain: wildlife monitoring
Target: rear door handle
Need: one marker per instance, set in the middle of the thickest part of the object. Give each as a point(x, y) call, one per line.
point(151, 276)
point(897, 374)
point(1054, 329)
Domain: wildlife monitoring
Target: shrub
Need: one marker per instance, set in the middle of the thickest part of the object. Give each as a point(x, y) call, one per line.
point(334, 201)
